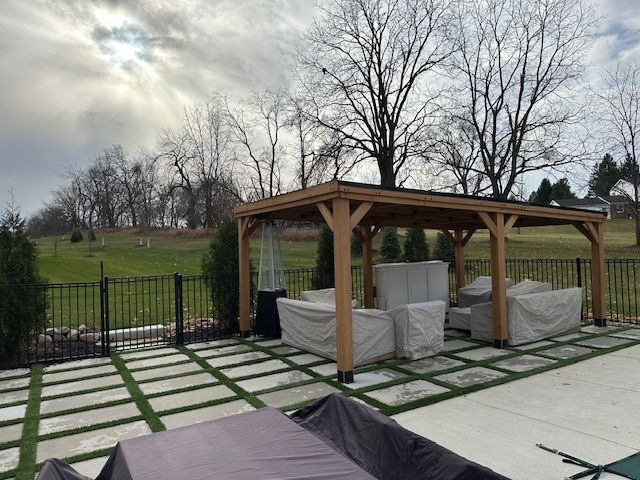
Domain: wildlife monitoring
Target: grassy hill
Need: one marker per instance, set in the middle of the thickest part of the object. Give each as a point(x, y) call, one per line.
point(181, 251)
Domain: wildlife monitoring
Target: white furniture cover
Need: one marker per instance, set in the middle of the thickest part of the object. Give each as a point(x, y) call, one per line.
point(419, 329)
point(532, 316)
point(413, 282)
point(478, 291)
point(312, 327)
point(460, 318)
point(324, 295)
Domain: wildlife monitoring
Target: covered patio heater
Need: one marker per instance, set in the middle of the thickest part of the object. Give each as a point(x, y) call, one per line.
point(271, 284)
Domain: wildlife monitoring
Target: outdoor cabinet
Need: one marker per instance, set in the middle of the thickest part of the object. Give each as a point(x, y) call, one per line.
point(415, 282)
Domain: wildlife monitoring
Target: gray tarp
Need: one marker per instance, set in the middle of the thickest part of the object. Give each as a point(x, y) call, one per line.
point(382, 447)
point(264, 444)
point(335, 438)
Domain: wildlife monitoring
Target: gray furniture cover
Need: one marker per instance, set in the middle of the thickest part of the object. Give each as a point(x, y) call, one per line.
point(419, 329)
point(532, 316)
point(478, 291)
point(312, 327)
point(335, 438)
point(460, 318)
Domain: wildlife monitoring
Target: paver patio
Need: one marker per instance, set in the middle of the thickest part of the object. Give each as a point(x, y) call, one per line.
point(178, 386)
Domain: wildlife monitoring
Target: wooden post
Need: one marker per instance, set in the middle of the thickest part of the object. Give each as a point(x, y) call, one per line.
point(342, 272)
point(367, 266)
point(597, 273)
point(244, 274)
point(498, 232)
point(459, 257)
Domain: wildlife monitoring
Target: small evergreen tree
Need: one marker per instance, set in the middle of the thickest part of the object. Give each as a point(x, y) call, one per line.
point(605, 175)
point(561, 190)
point(220, 263)
point(21, 305)
point(390, 248)
point(416, 248)
point(76, 236)
point(356, 246)
point(323, 277)
point(444, 250)
point(543, 193)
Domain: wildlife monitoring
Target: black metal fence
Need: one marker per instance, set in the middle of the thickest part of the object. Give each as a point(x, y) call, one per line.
point(78, 320)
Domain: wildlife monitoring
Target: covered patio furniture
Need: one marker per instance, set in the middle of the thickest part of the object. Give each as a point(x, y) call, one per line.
point(419, 329)
point(460, 318)
point(334, 438)
point(478, 291)
point(324, 295)
point(312, 327)
point(532, 316)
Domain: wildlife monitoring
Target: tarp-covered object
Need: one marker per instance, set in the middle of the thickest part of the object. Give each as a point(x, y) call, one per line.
point(54, 469)
point(532, 317)
point(382, 447)
point(419, 329)
point(323, 295)
point(460, 318)
point(261, 445)
point(478, 291)
point(312, 327)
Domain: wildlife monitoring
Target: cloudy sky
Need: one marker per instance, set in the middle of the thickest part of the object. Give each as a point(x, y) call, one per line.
point(76, 76)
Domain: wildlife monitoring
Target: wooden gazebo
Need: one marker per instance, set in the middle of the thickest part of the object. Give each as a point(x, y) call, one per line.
point(363, 209)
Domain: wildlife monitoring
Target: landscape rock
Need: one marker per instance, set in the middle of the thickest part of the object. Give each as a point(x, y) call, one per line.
point(58, 337)
point(42, 338)
point(89, 337)
point(65, 330)
point(73, 334)
point(82, 328)
point(51, 331)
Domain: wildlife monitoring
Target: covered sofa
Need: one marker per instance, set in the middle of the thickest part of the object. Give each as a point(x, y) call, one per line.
point(460, 317)
point(312, 326)
point(323, 295)
point(532, 316)
point(478, 291)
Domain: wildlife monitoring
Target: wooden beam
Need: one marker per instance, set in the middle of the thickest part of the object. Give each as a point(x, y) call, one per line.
point(594, 232)
point(326, 214)
point(251, 227)
point(498, 284)
point(488, 222)
point(468, 236)
point(598, 276)
point(359, 214)
point(375, 231)
point(459, 258)
point(584, 231)
point(367, 266)
point(342, 273)
point(509, 224)
point(450, 237)
point(244, 277)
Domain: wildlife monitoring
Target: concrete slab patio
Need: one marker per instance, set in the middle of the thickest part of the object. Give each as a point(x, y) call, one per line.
point(588, 409)
point(84, 407)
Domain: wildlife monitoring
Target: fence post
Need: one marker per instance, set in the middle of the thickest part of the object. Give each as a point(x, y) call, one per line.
point(104, 317)
point(177, 278)
point(579, 271)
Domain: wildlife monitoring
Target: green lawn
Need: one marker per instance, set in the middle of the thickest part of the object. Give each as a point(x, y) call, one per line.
point(182, 252)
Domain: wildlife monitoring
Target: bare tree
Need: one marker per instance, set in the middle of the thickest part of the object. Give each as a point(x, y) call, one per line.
point(173, 149)
point(455, 153)
point(367, 63)
point(257, 126)
point(619, 99)
point(519, 63)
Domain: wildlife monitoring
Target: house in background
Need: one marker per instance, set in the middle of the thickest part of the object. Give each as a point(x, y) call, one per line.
point(615, 206)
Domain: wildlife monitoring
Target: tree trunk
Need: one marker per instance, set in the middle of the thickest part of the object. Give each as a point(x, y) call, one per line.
point(387, 175)
point(636, 219)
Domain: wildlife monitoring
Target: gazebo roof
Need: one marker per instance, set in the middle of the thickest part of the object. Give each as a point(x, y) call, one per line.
point(402, 207)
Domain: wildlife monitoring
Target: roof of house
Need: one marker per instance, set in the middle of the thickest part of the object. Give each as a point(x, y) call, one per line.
point(592, 201)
